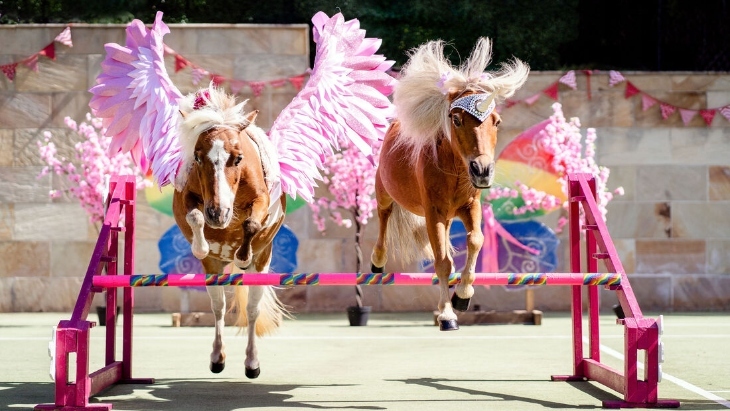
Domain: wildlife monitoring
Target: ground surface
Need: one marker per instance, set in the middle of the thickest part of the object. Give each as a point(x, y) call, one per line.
point(397, 362)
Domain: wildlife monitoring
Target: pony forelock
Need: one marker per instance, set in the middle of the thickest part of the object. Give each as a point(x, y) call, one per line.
point(220, 110)
point(421, 96)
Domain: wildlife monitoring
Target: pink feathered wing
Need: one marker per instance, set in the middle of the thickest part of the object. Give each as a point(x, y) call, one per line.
point(345, 97)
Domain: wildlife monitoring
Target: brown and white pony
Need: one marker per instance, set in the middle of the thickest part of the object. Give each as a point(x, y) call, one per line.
point(435, 160)
point(223, 207)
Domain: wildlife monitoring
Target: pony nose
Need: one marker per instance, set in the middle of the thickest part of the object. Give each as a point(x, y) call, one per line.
point(213, 213)
point(476, 169)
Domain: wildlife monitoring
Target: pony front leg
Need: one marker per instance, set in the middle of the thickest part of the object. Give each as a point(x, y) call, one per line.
point(251, 226)
point(437, 227)
point(218, 304)
point(472, 219)
point(253, 368)
point(379, 256)
point(198, 245)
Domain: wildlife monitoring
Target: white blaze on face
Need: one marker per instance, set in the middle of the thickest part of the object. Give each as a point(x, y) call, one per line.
point(219, 157)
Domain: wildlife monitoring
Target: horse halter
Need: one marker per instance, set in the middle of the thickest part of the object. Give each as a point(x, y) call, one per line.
point(478, 105)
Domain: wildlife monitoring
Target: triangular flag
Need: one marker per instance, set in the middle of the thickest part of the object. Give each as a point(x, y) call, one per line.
point(631, 89)
point(725, 111)
point(297, 82)
point(257, 87)
point(277, 83)
point(552, 91)
point(217, 79)
point(647, 101)
point(65, 37)
point(569, 79)
point(510, 103)
point(667, 110)
point(198, 74)
point(180, 62)
point(708, 115)
point(31, 62)
point(687, 115)
point(614, 77)
point(236, 86)
point(532, 99)
point(49, 51)
point(9, 70)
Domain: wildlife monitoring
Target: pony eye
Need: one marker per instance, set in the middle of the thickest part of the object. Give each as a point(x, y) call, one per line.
point(196, 157)
point(498, 122)
point(238, 159)
point(456, 119)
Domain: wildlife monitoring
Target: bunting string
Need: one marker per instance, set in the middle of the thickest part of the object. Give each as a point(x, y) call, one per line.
point(647, 101)
point(31, 62)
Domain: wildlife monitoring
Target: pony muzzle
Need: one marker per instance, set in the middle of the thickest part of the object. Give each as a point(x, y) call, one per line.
point(218, 217)
point(481, 173)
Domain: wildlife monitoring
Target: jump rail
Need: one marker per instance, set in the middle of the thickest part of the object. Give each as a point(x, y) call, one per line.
point(640, 333)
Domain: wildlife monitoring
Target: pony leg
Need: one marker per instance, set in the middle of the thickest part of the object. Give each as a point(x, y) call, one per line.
point(472, 219)
point(437, 227)
point(255, 294)
point(199, 245)
point(251, 226)
point(379, 256)
point(218, 304)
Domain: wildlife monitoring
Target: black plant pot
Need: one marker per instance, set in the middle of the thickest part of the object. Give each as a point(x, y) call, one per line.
point(101, 313)
point(358, 316)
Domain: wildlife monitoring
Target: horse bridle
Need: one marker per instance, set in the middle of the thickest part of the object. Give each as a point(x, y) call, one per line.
point(478, 105)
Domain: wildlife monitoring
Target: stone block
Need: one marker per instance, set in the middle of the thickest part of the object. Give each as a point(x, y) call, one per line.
point(639, 220)
point(151, 224)
point(701, 292)
point(269, 66)
point(650, 82)
point(25, 259)
point(716, 99)
point(71, 258)
point(24, 110)
point(719, 183)
point(338, 298)
point(7, 219)
point(27, 153)
point(706, 146)
point(90, 39)
point(66, 73)
point(26, 39)
point(670, 256)
point(671, 183)
point(31, 294)
point(6, 147)
point(6, 294)
point(319, 255)
point(700, 220)
point(22, 185)
point(652, 291)
point(410, 298)
point(718, 256)
point(47, 222)
point(633, 146)
point(73, 104)
point(692, 81)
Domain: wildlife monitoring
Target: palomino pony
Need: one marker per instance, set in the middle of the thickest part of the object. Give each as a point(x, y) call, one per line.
point(435, 160)
point(226, 212)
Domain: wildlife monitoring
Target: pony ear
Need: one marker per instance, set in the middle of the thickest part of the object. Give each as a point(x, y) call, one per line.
point(182, 114)
point(251, 117)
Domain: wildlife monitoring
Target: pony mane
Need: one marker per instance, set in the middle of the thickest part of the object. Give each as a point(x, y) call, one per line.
point(215, 108)
point(421, 97)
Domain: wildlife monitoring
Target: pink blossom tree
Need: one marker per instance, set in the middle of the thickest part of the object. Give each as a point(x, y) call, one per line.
point(350, 180)
point(86, 175)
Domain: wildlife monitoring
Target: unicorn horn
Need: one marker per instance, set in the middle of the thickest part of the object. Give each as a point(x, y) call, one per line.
point(483, 106)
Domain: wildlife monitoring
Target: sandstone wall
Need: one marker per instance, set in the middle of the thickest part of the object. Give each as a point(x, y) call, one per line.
point(671, 227)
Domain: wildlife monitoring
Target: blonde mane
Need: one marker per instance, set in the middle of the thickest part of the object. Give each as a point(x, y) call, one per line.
point(421, 96)
point(219, 110)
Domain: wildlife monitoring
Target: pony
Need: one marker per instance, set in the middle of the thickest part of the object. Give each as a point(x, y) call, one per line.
point(436, 157)
point(226, 212)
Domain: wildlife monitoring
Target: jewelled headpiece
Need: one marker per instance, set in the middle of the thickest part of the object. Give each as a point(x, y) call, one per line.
point(478, 105)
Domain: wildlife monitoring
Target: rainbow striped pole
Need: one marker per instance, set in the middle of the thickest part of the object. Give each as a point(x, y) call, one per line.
point(291, 279)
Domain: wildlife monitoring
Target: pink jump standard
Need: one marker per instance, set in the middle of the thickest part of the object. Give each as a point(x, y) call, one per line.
point(640, 333)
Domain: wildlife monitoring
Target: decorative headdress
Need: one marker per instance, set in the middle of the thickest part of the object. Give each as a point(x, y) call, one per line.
point(478, 105)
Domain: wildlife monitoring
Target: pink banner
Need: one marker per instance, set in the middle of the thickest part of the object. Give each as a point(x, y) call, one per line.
point(667, 110)
point(687, 115)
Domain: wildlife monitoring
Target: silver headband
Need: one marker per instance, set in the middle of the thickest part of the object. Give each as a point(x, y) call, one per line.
point(473, 104)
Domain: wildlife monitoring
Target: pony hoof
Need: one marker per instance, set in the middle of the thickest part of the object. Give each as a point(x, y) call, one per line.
point(461, 304)
point(252, 372)
point(217, 367)
point(448, 325)
point(376, 269)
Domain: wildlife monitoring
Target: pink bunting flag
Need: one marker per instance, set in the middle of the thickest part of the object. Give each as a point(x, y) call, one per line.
point(31, 62)
point(647, 101)
point(667, 110)
point(257, 87)
point(569, 79)
point(510, 103)
point(687, 115)
point(198, 74)
point(614, 77)
point(552, 91)
point(49, 51)
point(532, 99)
point(217, 79)
point(277, 83)
point(297, 82)
point(65, 37)
point(631, 90)
point(725, 111)
point(180, 62)
point(9, 70)
point(708, 115)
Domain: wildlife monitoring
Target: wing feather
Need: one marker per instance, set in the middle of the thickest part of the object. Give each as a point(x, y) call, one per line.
point(345, 98)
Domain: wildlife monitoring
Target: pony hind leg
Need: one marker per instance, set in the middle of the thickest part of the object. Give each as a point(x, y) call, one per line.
point(438, 229)
point(262, 263)
point(472, 219)
point(379, 256)
point(218, 305)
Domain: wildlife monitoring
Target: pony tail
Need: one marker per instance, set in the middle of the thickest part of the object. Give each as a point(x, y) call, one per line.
point(407, 236)
point(271, 310)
